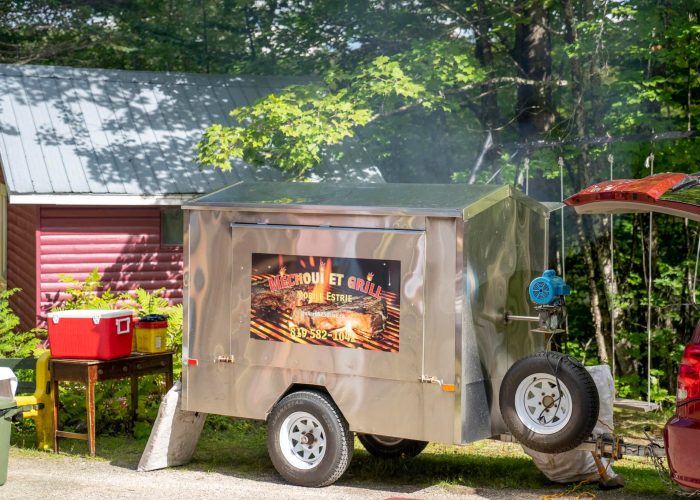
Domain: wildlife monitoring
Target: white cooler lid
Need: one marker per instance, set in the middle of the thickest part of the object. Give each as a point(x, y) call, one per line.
point(96, 315)
point(92, 313)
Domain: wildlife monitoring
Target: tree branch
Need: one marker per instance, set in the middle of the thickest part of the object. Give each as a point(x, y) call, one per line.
point(471, 86)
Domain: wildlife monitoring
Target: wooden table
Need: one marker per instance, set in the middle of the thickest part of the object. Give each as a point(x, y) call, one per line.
point(91, 371)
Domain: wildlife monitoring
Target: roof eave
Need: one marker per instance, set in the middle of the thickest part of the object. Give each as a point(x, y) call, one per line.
point(92, 199)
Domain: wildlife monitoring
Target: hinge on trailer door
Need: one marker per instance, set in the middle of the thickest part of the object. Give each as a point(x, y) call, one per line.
point(226, 359)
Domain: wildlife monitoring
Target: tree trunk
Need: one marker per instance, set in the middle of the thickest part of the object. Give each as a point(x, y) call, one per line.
point(612, 293)
point(484, 53)
point(532, 53)
point(585, 235)
point(593, 290)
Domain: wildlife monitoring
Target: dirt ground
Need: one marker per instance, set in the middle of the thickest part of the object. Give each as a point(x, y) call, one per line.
point(48, 476)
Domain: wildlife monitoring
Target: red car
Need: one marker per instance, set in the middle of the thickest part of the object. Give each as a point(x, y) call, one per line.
point(675, 194)
point(682, 432)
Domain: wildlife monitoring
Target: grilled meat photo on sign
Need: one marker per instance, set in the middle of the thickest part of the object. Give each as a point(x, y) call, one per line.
point(363, 314)
point(286, 300)
point(330, 301)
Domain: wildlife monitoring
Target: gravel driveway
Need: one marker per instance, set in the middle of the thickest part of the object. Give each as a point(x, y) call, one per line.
point(66, 477)
point(48, 476)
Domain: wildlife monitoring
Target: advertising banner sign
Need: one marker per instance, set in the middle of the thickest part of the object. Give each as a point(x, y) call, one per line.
point(330, 301)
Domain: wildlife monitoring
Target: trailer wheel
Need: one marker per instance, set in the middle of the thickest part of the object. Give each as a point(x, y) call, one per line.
point(388, 447)
point(549, 402)
point(308, 439)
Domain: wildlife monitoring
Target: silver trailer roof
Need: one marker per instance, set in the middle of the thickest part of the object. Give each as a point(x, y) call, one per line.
point(447, 200)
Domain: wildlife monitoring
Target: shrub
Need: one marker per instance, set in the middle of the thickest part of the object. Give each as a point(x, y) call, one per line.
point(87, 295)
point(14, 343)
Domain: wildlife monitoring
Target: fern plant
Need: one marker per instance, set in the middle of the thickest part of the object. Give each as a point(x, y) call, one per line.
point(145, 303)
point(175, 328)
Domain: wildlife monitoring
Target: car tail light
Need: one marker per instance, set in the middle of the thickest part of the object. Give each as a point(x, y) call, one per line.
point(689, 374)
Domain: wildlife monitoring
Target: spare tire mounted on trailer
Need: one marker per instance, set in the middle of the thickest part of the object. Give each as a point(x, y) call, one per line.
point(549, 402)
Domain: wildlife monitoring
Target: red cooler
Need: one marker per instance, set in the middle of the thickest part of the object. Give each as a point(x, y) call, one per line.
point(90, 334)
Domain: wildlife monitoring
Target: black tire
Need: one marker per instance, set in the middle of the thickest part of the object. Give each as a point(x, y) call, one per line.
point(383, 447)
point(533, 402)
point(318, 415)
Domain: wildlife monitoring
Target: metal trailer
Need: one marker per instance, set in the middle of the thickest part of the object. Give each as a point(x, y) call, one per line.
point(271, 274)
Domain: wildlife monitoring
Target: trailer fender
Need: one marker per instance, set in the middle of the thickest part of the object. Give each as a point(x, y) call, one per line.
point(300, 387)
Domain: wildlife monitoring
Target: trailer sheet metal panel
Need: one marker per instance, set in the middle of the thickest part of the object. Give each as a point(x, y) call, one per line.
point(328, 268)
point(415, 281)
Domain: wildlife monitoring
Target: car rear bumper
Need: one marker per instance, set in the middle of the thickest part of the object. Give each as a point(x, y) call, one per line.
point(682, 440)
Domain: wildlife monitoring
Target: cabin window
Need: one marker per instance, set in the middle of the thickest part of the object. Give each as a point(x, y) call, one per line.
point(171, 226)
point(3, 237)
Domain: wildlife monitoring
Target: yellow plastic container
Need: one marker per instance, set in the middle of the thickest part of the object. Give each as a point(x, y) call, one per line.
point(151, 333)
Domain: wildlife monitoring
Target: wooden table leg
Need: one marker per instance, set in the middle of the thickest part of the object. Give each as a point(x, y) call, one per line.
point(90, 388)
point(169, 375)
point(134, 400)
point(55, 414)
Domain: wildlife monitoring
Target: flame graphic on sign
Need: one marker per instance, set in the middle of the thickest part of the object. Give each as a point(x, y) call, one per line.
point(318, 294)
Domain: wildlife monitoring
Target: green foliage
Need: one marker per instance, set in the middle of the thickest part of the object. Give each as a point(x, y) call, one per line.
point(144, 302)
point(13, 343)
point(88, 294)
point(174, 333)
point(112, 406)
point(584, 352)
point(293, 128)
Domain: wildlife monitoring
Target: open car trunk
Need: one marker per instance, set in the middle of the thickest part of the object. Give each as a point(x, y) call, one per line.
point(669, 193)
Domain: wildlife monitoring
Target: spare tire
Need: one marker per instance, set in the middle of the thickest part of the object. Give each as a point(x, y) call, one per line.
point(549, 402)
point(388, 447)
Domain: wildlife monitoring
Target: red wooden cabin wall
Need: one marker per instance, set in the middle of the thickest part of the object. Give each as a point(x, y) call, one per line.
point(21, 261)
point(124, 244)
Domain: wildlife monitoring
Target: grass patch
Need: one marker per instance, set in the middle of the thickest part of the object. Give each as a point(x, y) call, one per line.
point(238, 447)
point(485, 464)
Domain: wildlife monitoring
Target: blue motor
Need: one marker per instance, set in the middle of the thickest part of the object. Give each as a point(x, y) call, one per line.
point(547, 289)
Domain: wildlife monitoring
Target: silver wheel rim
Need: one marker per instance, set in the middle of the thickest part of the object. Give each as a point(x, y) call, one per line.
point(387, 441)
point(302, 440)
point(542, 405)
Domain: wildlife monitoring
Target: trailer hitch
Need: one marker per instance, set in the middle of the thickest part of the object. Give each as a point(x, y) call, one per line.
point(606, 447)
